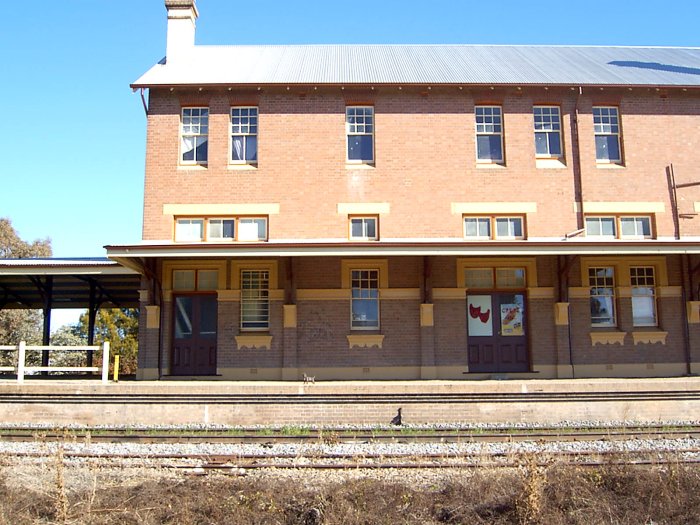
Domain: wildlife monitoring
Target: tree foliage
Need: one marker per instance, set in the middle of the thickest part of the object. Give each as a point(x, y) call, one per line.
point(20, 325)
point(119, 326)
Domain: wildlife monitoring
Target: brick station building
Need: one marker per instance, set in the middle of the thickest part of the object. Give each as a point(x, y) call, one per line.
point(418, 212)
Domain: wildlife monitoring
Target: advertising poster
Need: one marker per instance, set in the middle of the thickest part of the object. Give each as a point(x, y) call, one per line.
point(479, 320)
point(512, 319)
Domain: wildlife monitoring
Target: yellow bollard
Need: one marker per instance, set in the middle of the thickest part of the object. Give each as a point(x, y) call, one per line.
point(116, 368)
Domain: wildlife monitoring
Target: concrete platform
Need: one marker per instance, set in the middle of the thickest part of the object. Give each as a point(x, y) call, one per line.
point(88, 402)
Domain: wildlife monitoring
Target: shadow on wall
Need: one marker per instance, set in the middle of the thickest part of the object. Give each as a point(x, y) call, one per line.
point(657, 66)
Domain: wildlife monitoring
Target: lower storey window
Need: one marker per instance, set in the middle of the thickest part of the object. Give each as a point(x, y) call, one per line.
point(255, 299)
point(643, 296)
point(365, 299)
point(602, 283)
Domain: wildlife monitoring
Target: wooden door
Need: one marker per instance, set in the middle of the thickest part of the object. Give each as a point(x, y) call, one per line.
point(496, 333)
point(194, 335)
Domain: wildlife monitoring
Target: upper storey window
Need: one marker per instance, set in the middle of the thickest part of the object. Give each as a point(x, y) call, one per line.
point(359, 128)
point(244, 135)
point(606, 126)
point(547, 131)
point(489, 134)
point(194, 135)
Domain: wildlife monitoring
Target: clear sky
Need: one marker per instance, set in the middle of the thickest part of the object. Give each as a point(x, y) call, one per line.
point(74, 134)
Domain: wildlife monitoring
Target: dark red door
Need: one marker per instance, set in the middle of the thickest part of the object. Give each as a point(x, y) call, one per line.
point(496, 333)
point(194, 335)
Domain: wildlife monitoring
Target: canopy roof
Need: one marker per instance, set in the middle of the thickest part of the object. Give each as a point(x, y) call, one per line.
point(67, 283)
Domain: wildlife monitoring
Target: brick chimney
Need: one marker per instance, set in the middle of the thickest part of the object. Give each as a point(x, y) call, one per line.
point(182, 15)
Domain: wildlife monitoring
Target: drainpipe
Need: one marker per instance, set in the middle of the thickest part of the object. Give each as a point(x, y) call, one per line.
point(576, 159)
point(685, 273)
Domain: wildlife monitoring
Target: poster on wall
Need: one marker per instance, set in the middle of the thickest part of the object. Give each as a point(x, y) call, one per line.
point(479, 321)
point(512, 319)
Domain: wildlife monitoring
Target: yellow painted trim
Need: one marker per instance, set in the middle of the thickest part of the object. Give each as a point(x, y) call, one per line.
point(365, 340)
point(460, 208)
point(238, 265)
point(222, 209)
point(152, 317)
point(696, 206)
point(322, 294)
point(608, 338)
point(253, 341)
point(669, 291)
point(228, 295)
point(363, 208)
point(529, 263)
point(290, 315)
point(170, 266)
point(624, 291)
point(346, 265)
point(167, 296)
point(649, 337)
point(407, 294)
point(144, 296)
point(544, 292)
point(623, 207)
point(426, 315)
point(550, 164)
point(276, 295)
point(449, 293)
point(561, 314)
point(693, 312)
point(579, 292)
point(622, 266)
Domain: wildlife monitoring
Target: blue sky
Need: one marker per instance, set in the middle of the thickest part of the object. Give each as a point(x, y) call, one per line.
point(73, 147)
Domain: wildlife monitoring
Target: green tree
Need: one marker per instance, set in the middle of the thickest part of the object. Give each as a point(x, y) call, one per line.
point(16, 324)
point(119, 326)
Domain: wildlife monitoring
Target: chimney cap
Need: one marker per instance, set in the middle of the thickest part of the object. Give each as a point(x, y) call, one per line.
point(182, 4)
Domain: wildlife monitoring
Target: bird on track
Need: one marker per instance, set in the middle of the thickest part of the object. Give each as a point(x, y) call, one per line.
point(397, 419)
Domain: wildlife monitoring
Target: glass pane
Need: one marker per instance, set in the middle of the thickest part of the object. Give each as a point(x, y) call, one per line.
point(237, 148)
point(510, 278)
point(371, 228)
point(554, 144)
point(541, 144)
point(607, 226)
point(478, 278)
point(592, 226)
point(183, 280)
point(489, 147)
point(360, 147)
point(607, 147)
point(602, 310)
point(228, 229)
point(183, 317)
point(201, 149)
point(628, 226)
point(251, 150)
point(470, 227)
point(207, 317)
point(187, 148)
point(356, 228)
point(643, 311)
point(512, 312)
point(365, 313)
point(208, 280)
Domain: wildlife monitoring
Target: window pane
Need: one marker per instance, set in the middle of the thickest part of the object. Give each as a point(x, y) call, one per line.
point(607, 147)
point(489, 147)
point(371, 228)
point(360, 147)
point(237, 148)
point(183, 280)
point(470, 227)
point(510, 278)
point(207, 317)
point(607, 226)
point(183, 317)
point(541, 144)
point(592, 226)
point(251, 150)
point(484, 227)
point(201, 154)
point(255, 306)
point(554, 144)
point(643, 311)
point(187, 148)
point(207, 280)
point(602, 310)
point(478, 278)
point(356, 228)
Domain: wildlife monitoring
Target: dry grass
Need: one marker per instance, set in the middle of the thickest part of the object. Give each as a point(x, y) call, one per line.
point(531, 494)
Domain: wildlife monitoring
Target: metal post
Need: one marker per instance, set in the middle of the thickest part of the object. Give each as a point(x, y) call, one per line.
point(105, 362)
point(21, 355)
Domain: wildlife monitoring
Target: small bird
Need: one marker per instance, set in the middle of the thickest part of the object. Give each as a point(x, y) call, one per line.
point(397, 419)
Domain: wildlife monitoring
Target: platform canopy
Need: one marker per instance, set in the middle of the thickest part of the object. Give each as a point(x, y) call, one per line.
point(67, 283)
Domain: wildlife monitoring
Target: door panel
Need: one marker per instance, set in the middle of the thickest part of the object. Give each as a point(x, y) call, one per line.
point(194, 335)
point(497, 339)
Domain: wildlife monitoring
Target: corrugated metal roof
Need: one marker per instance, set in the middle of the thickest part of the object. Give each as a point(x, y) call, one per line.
point(430, 64)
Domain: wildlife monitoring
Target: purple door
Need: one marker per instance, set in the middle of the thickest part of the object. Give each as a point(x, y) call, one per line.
point(194, 335)
point(496, 333)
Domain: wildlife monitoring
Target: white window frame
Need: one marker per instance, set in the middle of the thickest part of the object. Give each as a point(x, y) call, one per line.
point(212, 220)
point(194, 125)
point(603, 287)
point(362, 126)
point(511, 220)
point(364, 221)
point(246, 127)
point(488, 121)
point(185, 228)
point(478, 221)
point(364, 294)
point(548, 123)
point(599, 220)
point(256, 296)
point(643, 282)
point(637, 220)
point(239, 229)
point(606, 123)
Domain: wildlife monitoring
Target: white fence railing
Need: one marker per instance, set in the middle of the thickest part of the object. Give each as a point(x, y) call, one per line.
point(22, 349)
